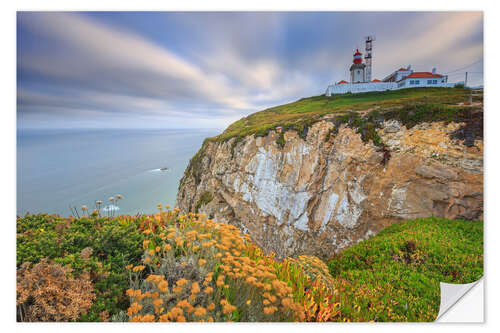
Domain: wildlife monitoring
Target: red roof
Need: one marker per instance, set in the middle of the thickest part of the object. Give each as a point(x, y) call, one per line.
point(357, 52)
point(402, 69)
point(420, 75)
point(342, 82)
point(376, 80)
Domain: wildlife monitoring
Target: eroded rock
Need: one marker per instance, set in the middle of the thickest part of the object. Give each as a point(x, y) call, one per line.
point(317, 197)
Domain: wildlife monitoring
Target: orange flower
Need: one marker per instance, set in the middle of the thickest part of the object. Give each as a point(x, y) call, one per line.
point(165, 317)
point(211, 306)
point(183, 303)
point(209, 290)
point(195, 288)
point(228, 308)
point(134, 309)
point(175, 312)
point(138, 268)
point(181, 282)
point(287, 302)
point(163, 286)
point(148, 318)
point(200, 311)
point(202, 262)
point(251, 280)
point(157, 303)
point(181, 319)
point(270, 310)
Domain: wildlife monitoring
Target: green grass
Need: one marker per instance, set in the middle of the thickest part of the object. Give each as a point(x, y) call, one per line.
point(306, 111)
point(395, 275)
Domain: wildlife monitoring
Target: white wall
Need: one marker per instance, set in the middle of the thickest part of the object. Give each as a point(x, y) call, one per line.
point(380, 86)
point(360, 87)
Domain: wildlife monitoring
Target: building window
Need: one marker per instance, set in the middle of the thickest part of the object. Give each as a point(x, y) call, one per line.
point(412, 81)
point(417, 82)
point(434, 81)
point(429, 81)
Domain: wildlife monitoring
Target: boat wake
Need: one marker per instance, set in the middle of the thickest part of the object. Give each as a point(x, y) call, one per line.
point(160, 170)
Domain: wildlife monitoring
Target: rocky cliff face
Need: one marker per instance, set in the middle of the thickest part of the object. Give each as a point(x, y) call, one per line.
point(323, 193)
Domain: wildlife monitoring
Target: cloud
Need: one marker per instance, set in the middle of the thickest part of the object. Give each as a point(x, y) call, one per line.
point(208, 69)
point(116, 60)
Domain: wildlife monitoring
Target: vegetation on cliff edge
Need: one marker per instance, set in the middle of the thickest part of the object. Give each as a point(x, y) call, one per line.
point(176, 267)
point(395, 275)
point(363, 112)
point(304, 112)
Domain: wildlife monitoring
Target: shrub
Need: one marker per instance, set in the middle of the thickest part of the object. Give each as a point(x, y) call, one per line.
point(114, 243)
point(281, 140)
point(205, 198)
point(200, 270)
point(47, 292)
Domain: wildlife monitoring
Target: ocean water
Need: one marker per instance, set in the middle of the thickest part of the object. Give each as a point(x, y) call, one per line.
point(57, 169)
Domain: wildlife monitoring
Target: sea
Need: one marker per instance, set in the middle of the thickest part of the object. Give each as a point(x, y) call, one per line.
point(60, 169)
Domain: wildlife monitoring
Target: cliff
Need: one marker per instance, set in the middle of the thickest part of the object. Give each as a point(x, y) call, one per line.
point(330, 176)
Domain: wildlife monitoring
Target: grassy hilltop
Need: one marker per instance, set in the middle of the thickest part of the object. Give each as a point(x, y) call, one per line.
point(306, 111)
point(184, 267)
point(363, 112)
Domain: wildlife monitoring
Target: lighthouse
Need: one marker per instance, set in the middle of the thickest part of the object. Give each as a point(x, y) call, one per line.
point(358, 69)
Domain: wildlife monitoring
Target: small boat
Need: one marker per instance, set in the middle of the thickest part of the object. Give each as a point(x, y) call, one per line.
point(163, 169)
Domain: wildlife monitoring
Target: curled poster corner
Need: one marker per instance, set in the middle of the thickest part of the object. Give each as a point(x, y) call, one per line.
point(454, 298)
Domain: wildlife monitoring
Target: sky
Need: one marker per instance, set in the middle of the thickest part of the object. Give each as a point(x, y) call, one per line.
point(209, 69)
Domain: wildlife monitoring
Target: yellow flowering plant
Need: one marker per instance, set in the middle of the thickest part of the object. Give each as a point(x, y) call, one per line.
point(201, 270)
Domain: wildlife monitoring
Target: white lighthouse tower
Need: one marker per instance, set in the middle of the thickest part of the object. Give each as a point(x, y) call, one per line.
point(368, 56)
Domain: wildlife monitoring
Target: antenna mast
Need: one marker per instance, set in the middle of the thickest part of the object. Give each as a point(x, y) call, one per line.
point(368, 56)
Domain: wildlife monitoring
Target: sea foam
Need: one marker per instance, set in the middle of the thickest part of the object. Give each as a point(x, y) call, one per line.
point(110, 208)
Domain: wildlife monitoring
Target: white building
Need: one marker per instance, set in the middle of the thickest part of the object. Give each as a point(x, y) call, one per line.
point(360, 77)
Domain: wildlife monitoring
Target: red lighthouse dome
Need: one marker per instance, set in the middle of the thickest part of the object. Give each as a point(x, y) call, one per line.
point(358, 57)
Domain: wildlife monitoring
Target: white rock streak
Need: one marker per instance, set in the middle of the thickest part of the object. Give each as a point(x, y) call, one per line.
point(269, 194)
